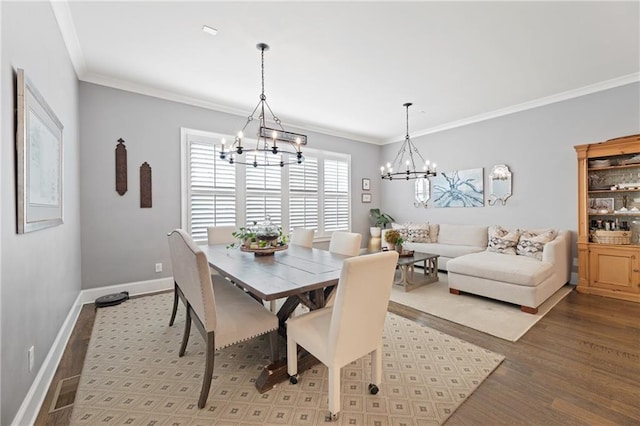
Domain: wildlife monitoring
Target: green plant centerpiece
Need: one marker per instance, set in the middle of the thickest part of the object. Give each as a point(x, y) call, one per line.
point(245, 236)
point(262, 235)
point(380, 219)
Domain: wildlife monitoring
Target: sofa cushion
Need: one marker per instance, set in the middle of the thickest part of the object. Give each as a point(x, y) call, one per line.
point(532, 243)
point(444, 250)
point(520, 270)
point(502, 240)
point(463, 235)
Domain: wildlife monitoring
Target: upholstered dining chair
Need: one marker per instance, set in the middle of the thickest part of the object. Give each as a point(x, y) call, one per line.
point(220, 235)
point(351, 328)
point(302, 237)
point(215, 235)
point(346, 243)
point(224, 314)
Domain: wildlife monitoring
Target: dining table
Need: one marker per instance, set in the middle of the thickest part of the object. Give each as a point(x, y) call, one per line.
point(300, 275)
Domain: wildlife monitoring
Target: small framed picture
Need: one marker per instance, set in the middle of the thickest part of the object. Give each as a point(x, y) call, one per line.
point(366, 198)
point(601, 205)
point(366, 184)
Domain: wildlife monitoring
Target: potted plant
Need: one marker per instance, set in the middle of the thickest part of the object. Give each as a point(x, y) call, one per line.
point(381, 221)
point(399, 243)
point(391, 237)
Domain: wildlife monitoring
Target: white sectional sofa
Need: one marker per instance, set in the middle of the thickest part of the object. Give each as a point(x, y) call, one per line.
point(448, 241)
point(523, 267)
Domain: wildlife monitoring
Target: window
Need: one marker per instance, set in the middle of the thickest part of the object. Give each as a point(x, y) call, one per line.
point(314, 194)
point(303, 194)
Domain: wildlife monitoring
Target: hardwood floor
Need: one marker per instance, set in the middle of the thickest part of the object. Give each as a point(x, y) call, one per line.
point(579, 365)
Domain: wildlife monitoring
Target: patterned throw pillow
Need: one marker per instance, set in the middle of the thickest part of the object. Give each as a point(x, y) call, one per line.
point(402, 229)
point(532, 243)
point(418, 233)
point(502, 240)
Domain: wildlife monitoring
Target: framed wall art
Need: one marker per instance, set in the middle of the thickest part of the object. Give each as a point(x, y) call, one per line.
point(366, 184)
point(366, 198)
point(39, 160)
point(601, 205)
point(460, 188)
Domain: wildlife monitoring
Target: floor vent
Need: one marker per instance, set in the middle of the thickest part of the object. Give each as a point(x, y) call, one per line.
point(65, 393)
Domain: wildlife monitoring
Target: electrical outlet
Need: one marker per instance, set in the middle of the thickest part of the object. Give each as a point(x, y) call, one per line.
point(31, 356)
point(158, 267)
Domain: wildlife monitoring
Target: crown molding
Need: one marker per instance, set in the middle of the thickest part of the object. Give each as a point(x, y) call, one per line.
point(559, 97)
point(202, 103)
point(69, 35)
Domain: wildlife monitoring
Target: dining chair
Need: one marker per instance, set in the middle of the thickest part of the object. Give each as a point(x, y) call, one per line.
point(351, 328)
point(220, 235)
point(215, 235)
point(302, 237)
point(224, 314)
point(346, 243)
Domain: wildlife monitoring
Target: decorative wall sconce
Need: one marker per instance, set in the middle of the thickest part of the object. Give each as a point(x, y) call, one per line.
point(422, 192)
point(499, 184)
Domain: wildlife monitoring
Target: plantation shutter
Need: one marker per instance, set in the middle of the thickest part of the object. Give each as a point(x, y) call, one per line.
point(303, 194)
point(336, 195)
point(212, 188)
point(264, 194)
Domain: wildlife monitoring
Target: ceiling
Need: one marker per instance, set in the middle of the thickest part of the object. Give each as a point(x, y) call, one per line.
point(346, 68)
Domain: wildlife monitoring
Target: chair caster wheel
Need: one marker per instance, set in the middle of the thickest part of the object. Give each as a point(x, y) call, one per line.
point(293, 379)
point(373, 389)
point(331, 417)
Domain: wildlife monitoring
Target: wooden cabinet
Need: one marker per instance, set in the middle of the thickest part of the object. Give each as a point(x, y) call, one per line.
point(609, 197)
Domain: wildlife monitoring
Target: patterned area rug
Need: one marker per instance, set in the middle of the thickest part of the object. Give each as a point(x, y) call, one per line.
point(132, 375)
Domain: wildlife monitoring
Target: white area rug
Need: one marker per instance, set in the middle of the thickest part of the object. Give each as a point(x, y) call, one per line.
point(499, 319)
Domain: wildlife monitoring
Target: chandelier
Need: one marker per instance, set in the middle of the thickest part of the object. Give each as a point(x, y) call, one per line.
point(408, 169)
point(273, 147)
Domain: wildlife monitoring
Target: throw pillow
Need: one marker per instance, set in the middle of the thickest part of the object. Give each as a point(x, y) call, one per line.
point(503, 241)
point(418, 233)
point(532, 243)
point(404, 233)
point(434, 230)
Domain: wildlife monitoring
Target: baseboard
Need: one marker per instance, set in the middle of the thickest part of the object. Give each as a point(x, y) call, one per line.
point(134, 289)
point(30, 407)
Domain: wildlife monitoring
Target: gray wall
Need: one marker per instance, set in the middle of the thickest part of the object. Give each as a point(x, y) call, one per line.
point(40, 270)
point(537, 145)
point(121, 242)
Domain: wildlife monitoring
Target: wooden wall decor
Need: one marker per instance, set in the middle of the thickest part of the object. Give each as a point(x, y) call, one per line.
point(121, 167)
point(145, 185)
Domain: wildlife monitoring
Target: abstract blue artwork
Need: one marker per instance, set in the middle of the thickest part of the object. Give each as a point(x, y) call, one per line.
point(460, 188)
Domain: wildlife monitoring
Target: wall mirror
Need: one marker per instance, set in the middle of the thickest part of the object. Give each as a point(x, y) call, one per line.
point(499, 184)
point(422, 192)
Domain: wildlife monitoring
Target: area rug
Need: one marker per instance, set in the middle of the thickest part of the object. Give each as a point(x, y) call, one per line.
point(500, 319)
point(132, 375)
